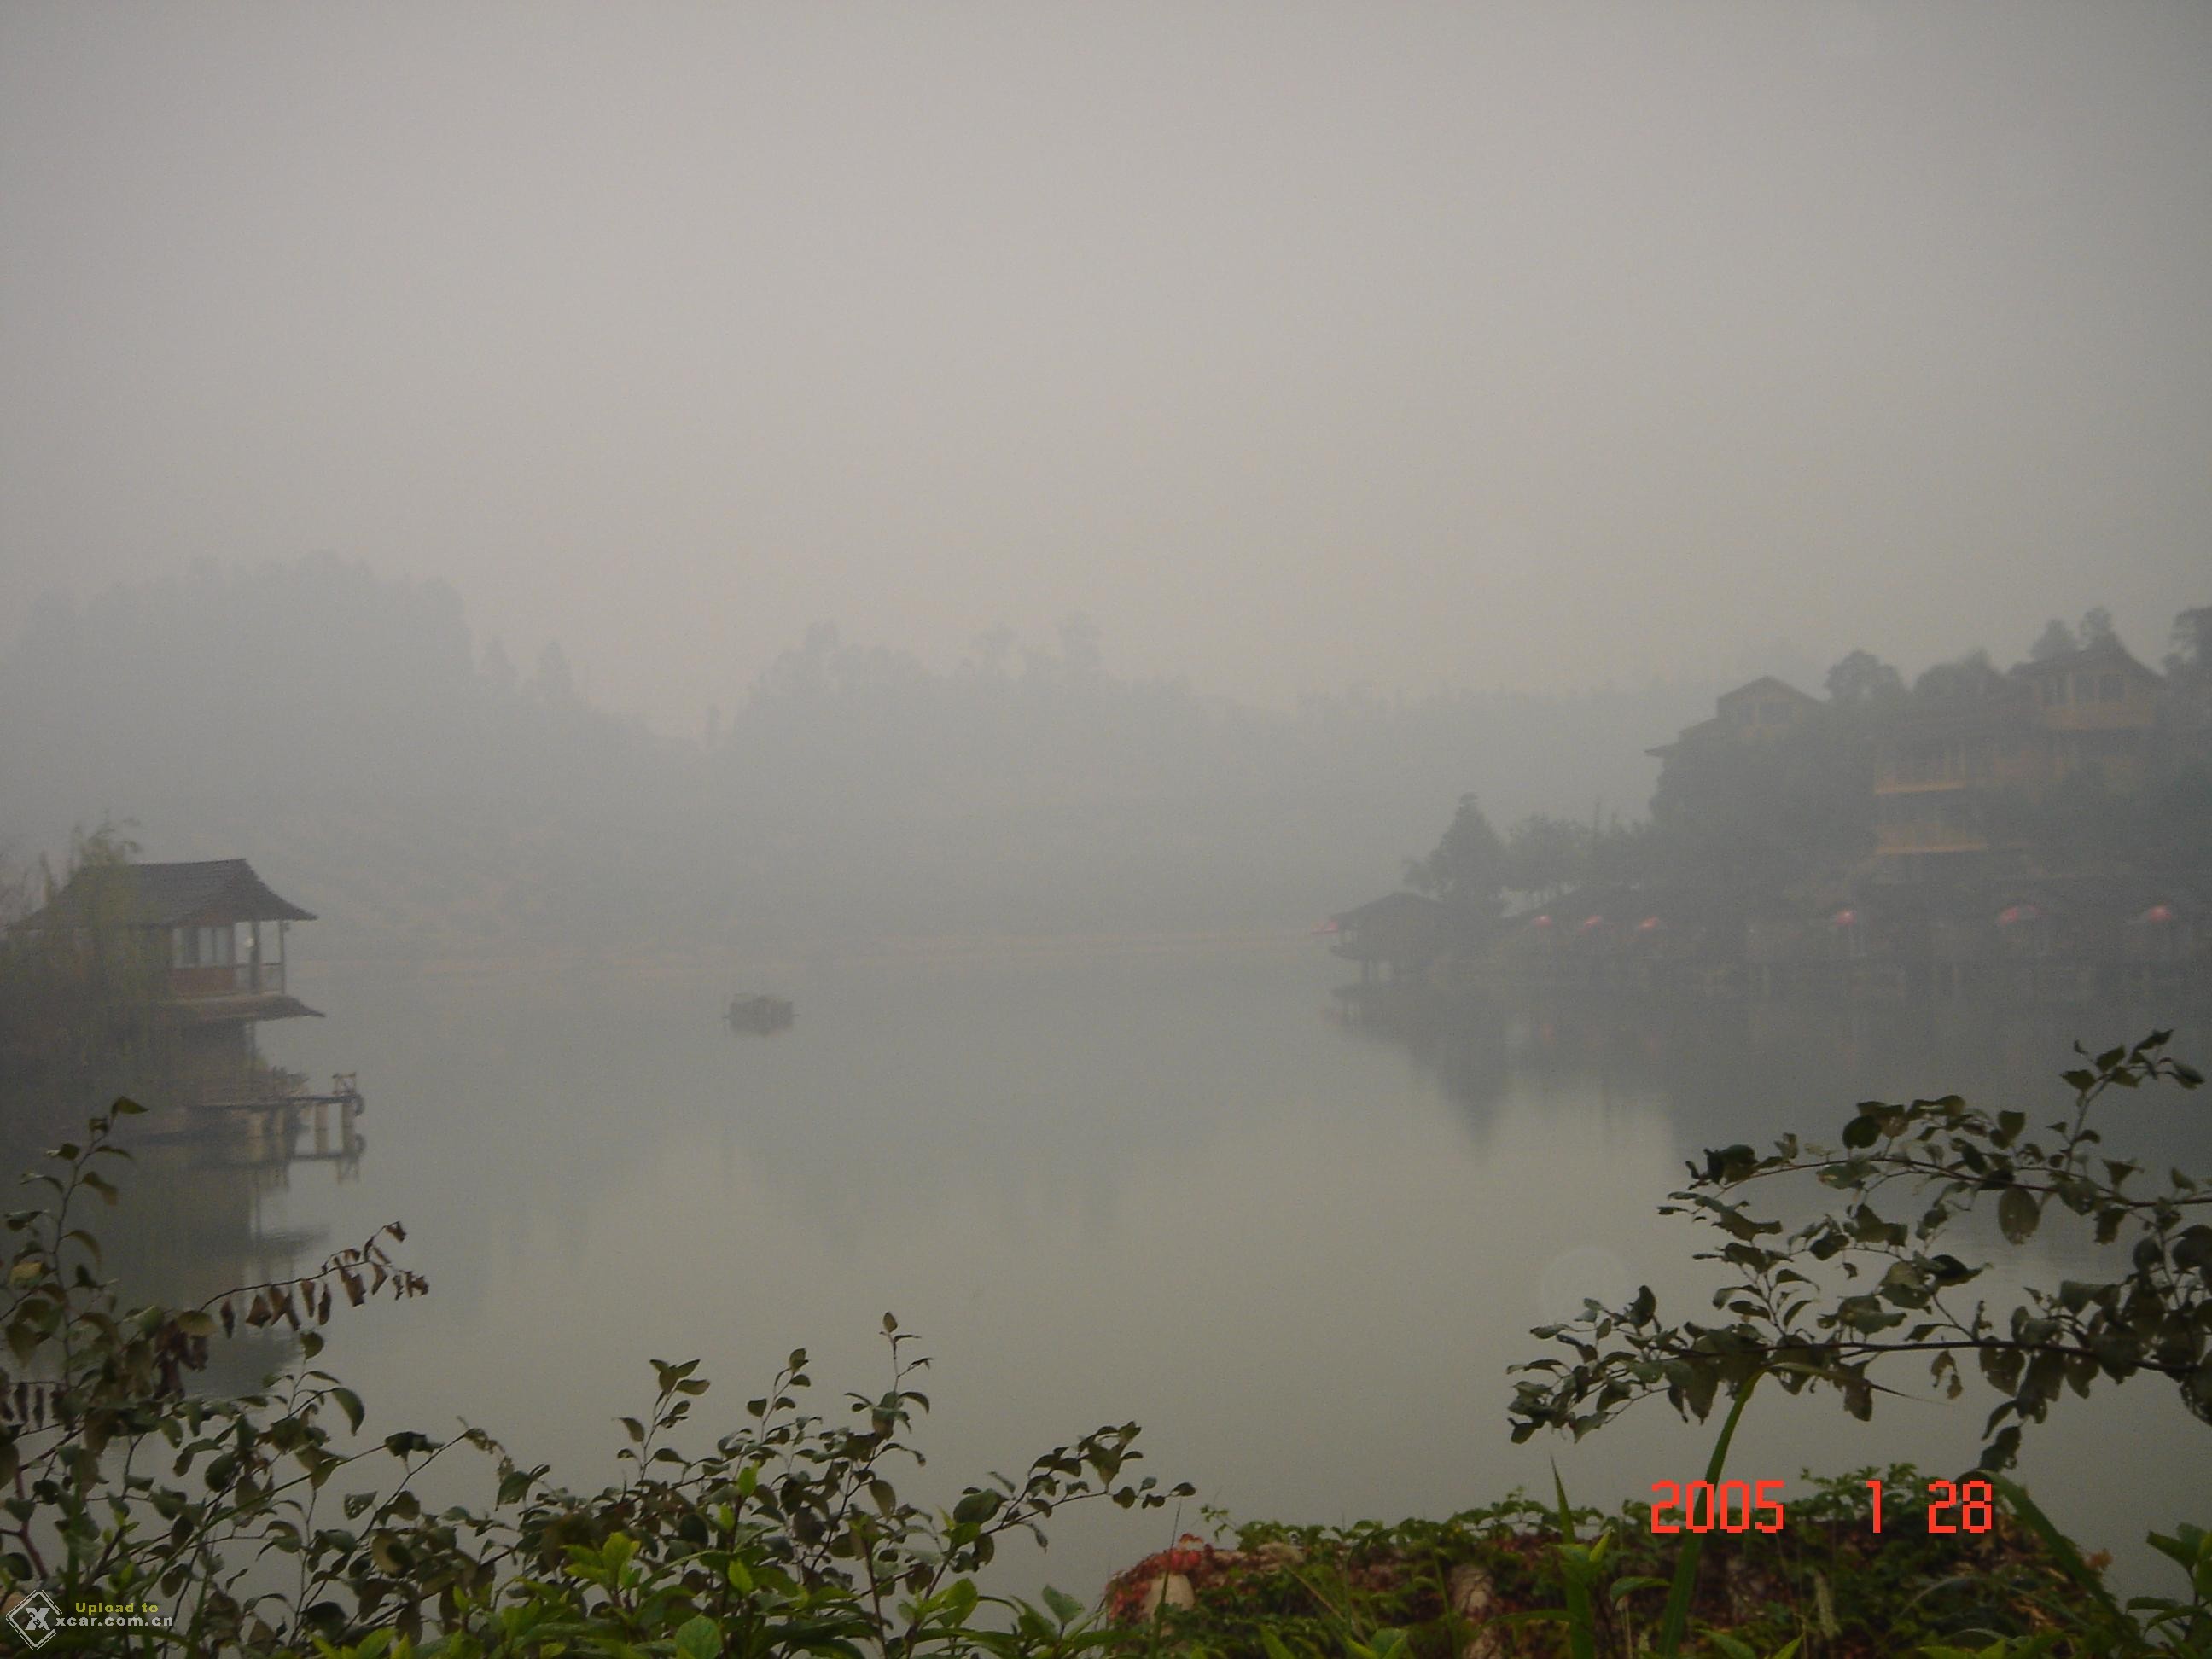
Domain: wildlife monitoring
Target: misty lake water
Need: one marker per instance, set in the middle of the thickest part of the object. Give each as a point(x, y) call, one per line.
point(1166, 1182)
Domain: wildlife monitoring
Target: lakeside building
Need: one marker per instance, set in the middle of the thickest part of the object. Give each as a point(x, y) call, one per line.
point(1972, 834)
point(1761, 711)
point(218, 927)
point(1945, 760)
point(2041, 938)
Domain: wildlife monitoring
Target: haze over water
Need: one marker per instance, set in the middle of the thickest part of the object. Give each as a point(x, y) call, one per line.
point(1116, 1181)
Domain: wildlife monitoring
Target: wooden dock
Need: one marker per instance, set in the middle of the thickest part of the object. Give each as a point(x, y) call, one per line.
point(263, 1131)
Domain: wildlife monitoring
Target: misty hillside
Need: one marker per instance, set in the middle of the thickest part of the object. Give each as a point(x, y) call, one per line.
point(356, 739)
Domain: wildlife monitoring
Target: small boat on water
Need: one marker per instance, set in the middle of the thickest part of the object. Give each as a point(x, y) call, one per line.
point(759, 1013)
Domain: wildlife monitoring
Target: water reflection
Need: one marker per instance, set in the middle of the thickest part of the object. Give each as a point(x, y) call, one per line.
point(1301, 1243)
point(207, 1196)
point(1747, 1069)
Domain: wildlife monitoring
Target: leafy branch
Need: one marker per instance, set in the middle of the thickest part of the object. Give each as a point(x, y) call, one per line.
point(786, 1537)
point(1816, 1306)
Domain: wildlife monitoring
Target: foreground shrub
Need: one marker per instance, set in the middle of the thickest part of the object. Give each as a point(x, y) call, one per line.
point(1495, 1582)
point(1827, 1304)
point(265, 1525)
point(1853, 1289)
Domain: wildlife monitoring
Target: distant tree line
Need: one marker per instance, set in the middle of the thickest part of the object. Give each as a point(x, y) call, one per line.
point(354, 736)
point(426, 791)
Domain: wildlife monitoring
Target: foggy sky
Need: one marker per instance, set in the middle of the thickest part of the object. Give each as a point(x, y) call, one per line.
point(1471, 344)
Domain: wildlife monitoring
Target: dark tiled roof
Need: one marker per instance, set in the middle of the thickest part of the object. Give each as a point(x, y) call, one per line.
point(1764, 684)
point(168, 895)
point(1400, 904)
point(2106, 652)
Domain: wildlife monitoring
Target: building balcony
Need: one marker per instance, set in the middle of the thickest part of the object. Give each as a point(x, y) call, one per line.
point(229, 979)
point(1892, 838)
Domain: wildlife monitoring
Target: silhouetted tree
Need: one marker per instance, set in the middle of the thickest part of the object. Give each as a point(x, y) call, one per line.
point(2191, 658)
point(2056, 640)
point(1971, 676)
point(1731, 814)
point(2096, 627)
point(1545, 855)
point(1469, 865)
point(1626, 853)
point(1862, 678)
point(555, 681)
point(79, 1004)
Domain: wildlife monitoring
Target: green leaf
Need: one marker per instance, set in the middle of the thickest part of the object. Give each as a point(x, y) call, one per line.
point(976, 1507)
point(700, 1638)
point(1576, 1566)
point(1675, 1621)
point(2017, 1214)
point(349, 1403)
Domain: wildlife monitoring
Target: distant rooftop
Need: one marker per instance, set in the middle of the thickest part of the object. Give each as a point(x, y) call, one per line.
point(1765, 685)
point(168, 895)
point(2107, 650)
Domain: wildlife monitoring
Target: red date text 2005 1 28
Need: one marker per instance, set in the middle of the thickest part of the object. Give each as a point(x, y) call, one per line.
point(1751, 1506)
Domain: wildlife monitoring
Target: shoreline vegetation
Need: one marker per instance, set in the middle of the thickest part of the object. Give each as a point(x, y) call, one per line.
point(274, 1523)
point(1492, 1583)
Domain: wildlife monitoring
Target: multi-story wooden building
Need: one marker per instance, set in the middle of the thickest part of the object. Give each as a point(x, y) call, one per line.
point(1945, 758)
point(221, 930)
point(2100, 712)
point(1759, 712)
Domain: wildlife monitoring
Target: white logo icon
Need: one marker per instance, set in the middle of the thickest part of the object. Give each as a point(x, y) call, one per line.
point(35, 1619)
